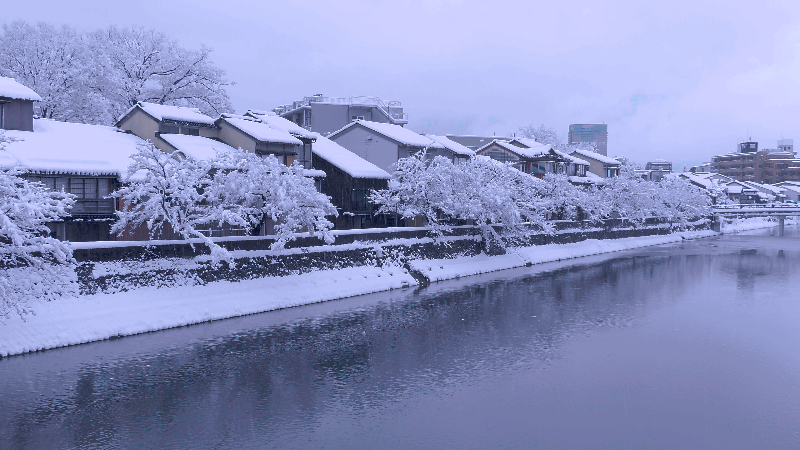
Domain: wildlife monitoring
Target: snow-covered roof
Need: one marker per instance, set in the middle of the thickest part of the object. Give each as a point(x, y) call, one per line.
point(198, 147)
point(11, 88)
point(179, 113)
point(776, 190)
point(702, 181)
point(451, 145)
point(347, 161)
point(537, 150)
point(279, 123)
point(260, 131)
point(597, 156)
point(60, 147)
point(734, 188)
point(314, 173)
point(394, 132)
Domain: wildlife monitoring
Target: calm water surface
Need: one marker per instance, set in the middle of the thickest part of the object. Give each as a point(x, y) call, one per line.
point(693, 345)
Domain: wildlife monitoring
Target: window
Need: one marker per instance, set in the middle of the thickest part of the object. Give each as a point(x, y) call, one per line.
point(190, 131)
point(358, 118)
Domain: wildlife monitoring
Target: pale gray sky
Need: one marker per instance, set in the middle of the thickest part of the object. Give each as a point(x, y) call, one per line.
point(679, 80)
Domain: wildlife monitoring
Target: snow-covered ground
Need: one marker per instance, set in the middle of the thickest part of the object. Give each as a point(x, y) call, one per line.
point(76, 320)
point(752, 223)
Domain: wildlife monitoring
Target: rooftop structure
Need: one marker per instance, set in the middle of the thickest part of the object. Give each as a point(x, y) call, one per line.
point(590, 132)
point(325, 115)
point(474, 142)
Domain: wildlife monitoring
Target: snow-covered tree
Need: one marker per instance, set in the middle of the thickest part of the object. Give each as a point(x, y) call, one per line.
point(54, 62)
point(138, 64)
point(480, 189)
point(33, 265)
point(251, 189)
point(681, 201)
point(95, 77)
point(541, 134)
point(234, 188)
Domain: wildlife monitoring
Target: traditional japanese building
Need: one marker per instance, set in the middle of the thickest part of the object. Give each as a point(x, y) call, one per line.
point(16, 105)
point(383, 144)
point(150, 120)
point(600, 165)
point(348, 182)
point(535, 158)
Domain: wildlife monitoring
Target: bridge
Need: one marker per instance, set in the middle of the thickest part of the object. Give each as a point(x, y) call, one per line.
point(778, 210)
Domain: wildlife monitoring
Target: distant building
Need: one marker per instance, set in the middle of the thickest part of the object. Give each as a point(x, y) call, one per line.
point(325, 115)
point(16, 105)
point(786, 145)
point(760, 166)
point(594, 133)
point(659, 164)
point(536, 159)
point(474, 142)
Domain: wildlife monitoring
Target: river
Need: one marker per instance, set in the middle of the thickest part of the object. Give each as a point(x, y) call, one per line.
point(679, 346)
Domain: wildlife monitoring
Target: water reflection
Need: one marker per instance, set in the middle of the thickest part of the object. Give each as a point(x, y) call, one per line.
point(399, 369)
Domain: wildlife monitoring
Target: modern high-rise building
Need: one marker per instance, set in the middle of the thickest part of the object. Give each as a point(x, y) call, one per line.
point(590, 132)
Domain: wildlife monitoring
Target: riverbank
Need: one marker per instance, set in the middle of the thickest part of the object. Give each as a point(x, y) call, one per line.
point(99, 316)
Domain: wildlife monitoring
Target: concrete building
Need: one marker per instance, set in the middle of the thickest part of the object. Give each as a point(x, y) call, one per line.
point(596, 133)
point(16, 105)
point(325, 115)
point(786, 145)
point(761, 166)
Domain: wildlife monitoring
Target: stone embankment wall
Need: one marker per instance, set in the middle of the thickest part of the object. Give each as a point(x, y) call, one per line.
point(113, 268)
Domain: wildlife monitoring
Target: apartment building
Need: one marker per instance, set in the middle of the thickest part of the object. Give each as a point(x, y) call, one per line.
point(326, 115)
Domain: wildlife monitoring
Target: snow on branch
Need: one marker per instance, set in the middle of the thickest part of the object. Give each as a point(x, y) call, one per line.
point(234, 188)
point(33, 265)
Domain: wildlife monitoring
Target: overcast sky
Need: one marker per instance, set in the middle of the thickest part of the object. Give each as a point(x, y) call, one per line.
point(675, 80)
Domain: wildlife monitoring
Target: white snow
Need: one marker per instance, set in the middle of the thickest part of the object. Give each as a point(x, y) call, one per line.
point(260, 131)
point(198, 147)
point(11, 88)
point(395, 132)
point(180, 113)
point(61, 147)
point(593, 155)
point(752, 223)
point(347, 161)
point(451, 145)
point(76, 320)
point(281, 124)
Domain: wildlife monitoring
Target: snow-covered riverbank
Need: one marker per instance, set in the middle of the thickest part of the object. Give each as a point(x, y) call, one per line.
point(753, 223)
point(88, 318)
